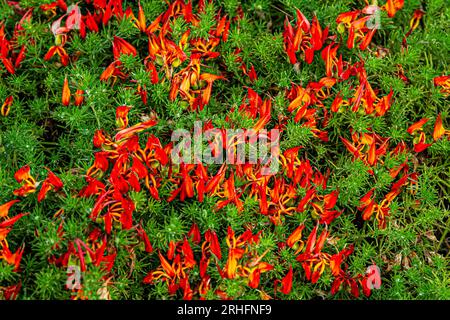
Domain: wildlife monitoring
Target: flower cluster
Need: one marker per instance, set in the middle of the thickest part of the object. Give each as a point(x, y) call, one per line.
point(292, 213)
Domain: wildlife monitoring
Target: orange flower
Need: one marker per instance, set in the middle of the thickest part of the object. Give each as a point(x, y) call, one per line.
point(128, 132)
point(417, 126)
point(347, 18)
point(295, 237)
point(60, 51)
point(209, 79)
point(12, 258)
point(79, 97)
point(419, 143)
point(313, 260)
point(444, 82)
point(28, 183)
point(122, 117)
point(6, 107)
point(5, 227)
point(286, 282)
point(392, 6)
point(66, 93)
point(122, 47)
point(229, 192)
point(414, 22)
point(439, 129)
point(4, 208)
point(52, 182)
point(329, 56)
point(212, 242)
point(111, 70)
point(140, 22)
point(8, 64)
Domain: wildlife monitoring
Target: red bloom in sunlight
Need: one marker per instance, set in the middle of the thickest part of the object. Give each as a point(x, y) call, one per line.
point(194, 233)
point(346, 18)
point(305, 37)
point(79, 97)
point(4, 208)
point(143, 235)
point(8, 223)
point(52, 182)
point(444, 83)
point(252, 74)
point(329, 56)
point(209, 79)
point(286, 282)
point(8, 65)
point(140, 22)
point(439, 129)
point(213, 240)
point(176, 272)
point(420, 143)
point(230, 194)
point(24, 177)
point(417, 126)
point(122, 47)
point(337, 259)
point(295, 239)
point(128, 132)
point(12, 258)
point(111, 70)
point(122, 117)
point(65, 93)
point(313, 259)
point(60, 51)
point(6, 226)
point(392, 6)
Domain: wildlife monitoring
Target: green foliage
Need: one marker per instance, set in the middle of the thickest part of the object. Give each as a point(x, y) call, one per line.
point(412, 251)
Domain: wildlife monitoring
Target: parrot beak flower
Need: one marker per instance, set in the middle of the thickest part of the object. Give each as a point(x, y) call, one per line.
point(4, 208)
point(122, 47)
point(122, 117)
point(66, 93)
point(286, 282)
point(52, 182)
point(6, 106)
point(392, 6)
point(12, 258)
point(79, 97)
point(417, 126)
point(295, 238)
point(444, 83)
point(439, 129)
point(29, 184)
point(60, 51)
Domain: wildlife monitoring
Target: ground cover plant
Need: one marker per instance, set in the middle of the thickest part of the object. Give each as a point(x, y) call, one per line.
point(350, 96)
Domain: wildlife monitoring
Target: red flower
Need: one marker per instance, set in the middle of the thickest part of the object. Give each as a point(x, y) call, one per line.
point(60, 51)
point(392, 6)
point(52, 182)
point(417, 126)
point(4, 208)
point(65, 93)
point(28, 183)
point(286, 282)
